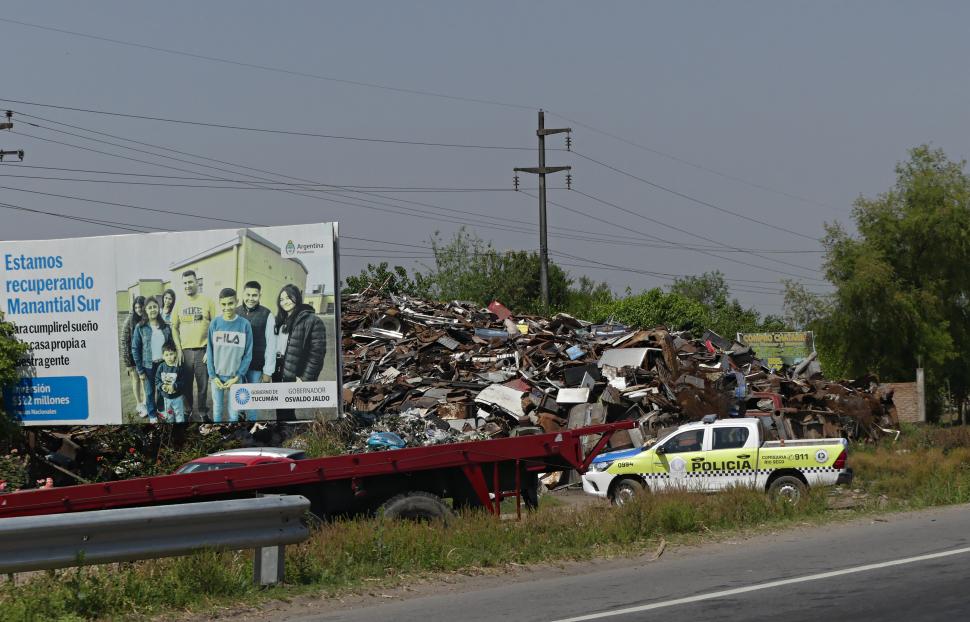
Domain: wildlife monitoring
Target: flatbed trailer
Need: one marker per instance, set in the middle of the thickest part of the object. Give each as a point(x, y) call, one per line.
point(408, 481)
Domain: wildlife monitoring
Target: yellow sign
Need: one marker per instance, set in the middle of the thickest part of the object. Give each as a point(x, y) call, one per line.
point(780, 348)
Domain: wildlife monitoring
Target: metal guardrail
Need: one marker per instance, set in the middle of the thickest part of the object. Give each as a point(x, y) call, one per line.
point(102, 536)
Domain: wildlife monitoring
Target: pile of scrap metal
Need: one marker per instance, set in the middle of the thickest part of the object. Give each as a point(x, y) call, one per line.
point(433, 373)
point(420, 373)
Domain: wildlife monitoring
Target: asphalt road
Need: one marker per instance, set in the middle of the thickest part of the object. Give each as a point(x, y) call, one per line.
point(905, 567)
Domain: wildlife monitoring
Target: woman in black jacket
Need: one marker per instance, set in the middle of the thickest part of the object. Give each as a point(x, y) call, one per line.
point(301, 342)
point(301, 338)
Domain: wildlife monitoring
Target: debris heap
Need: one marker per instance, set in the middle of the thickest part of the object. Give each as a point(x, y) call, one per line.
point(434, 373)
point(420, 373)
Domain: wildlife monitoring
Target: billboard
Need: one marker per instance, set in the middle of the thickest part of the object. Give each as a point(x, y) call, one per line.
point(196, 326)
point(780, 348)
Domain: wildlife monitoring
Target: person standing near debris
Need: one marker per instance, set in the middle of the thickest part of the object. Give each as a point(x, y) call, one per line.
point(263, 323)
point(229, 352)
point(301, 342)
point(146, 348)
point(190, 328)
point(124, 351)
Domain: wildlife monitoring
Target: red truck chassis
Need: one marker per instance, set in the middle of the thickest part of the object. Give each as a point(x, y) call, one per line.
point(471, 474)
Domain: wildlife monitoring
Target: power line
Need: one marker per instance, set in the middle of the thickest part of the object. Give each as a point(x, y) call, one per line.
point(235, 165)
point(422, 93)
point(285, 185)
point(697, 166)
point(302, 74)
point(398, 209)
point(253, 185)
point(350, 188)
point(698, 250)
point(693, 199)
point(751, 283)
point(332, 185)
point(402, 254)
point(129, 206)
point(95, 221)
point(385, 253)
point(463, 213)
point(382, 257)
point(260, 130)
point(324, 198)
point(705, 238)
point(350, 237)
point(231, 164)
point(667, 275)
point(412, 211)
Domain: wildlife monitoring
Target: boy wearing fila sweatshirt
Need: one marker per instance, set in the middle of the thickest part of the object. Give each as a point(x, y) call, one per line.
point(228, 354)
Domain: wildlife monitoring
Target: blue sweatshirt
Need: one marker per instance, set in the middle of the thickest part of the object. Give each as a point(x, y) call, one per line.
point(230, 348)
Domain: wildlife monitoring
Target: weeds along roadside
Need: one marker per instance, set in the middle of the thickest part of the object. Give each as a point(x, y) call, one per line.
point(927, 466)
point(931, 467)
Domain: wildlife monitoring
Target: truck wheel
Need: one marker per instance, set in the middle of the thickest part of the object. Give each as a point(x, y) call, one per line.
point(417, 506)
point(788, 488)
point(625, 491)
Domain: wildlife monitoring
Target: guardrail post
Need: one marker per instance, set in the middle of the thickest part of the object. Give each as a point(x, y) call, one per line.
point(268, 565)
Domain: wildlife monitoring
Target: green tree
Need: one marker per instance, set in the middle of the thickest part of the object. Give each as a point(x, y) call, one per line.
point(12, 352)
point(469, 268)
point(726, 316)
point(902, 285)
point(710, 289)
point(384, 279)
point(803, 307)
point(586, 296)
point(652, 308)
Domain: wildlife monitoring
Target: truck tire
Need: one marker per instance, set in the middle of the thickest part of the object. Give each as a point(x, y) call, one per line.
point(626, 490)
point(788, 488)
point(416, 506)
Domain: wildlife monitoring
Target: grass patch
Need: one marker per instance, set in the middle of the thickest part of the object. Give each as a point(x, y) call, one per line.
point(322, 439)
point(348, 554)
point(915, 478)
point(929, 467)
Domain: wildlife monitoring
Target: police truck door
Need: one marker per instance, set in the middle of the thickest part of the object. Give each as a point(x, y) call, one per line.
point(679, 458)
point(733, 458)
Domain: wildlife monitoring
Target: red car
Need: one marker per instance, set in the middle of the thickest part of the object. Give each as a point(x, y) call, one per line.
point(235, 458)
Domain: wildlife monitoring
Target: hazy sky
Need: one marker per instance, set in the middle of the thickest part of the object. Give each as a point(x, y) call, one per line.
point(780, 112)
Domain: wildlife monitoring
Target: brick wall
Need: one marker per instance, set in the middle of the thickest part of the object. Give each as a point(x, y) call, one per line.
point(905, 399)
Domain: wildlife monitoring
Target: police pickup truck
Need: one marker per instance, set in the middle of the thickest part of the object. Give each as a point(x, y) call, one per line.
point(716, 454)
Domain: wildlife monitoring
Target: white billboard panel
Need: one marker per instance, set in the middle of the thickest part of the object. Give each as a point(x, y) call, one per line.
point(170, 327)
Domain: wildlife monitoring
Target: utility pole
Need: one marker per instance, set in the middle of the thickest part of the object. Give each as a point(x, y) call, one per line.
point(8, 125)
point(541, 171)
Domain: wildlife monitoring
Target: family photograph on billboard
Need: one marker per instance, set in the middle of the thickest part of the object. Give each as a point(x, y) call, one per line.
point(210, 326)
